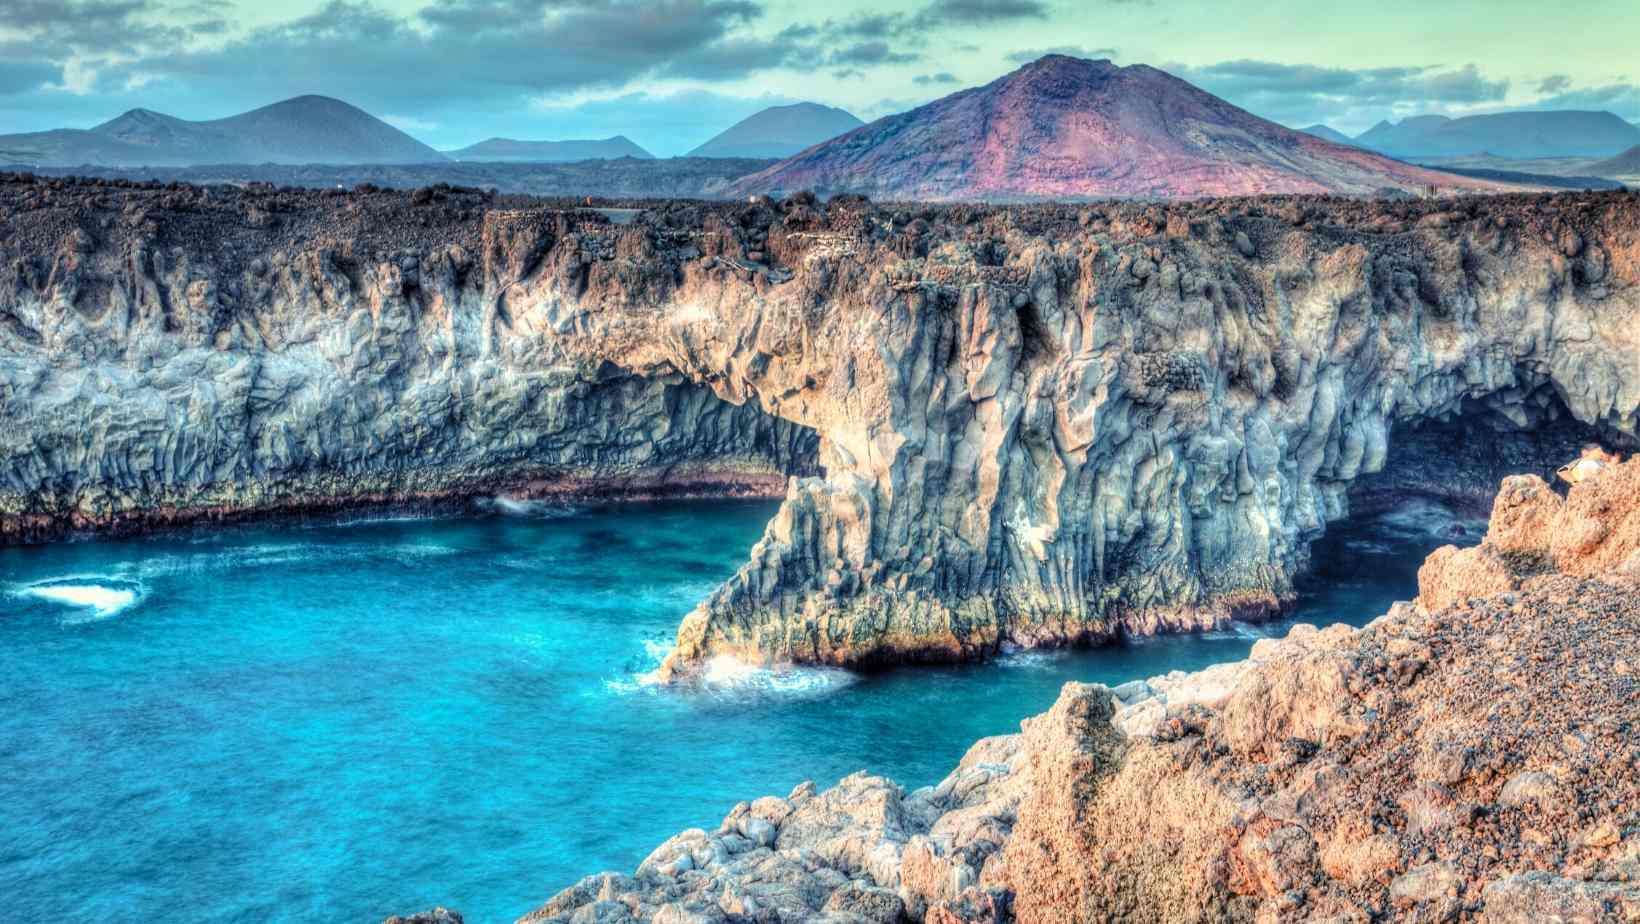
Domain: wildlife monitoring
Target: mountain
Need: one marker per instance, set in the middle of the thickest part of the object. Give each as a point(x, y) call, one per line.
point(551, 152)
point(1328, 133)
point(1624, 164)
point(779, 131)
point(1063, 127)
point(1553, 133)
point(306, 129)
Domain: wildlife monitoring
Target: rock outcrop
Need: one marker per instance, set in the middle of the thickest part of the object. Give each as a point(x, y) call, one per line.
point(1468, 758)
point(1037, 425)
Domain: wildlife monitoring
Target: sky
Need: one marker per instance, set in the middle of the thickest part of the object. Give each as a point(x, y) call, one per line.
point(670, 74)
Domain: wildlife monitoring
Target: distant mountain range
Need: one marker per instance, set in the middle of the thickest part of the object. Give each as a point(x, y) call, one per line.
point(550, 152)
point(1515, 135)
point(1060, 127)
point(1063, 127)
point(306, 129)
point(779, 131)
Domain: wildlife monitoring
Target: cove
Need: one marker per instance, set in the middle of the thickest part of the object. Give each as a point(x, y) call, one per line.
point(340, 720)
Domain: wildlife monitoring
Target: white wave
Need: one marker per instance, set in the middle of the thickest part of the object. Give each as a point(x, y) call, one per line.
point(527, 507)
point(376, 519)
point(1419, 517)
point(87, 594)
point(273, 555)
point(1032, 659)
point(728, 678)
point(729, 675)
point(1233, 631)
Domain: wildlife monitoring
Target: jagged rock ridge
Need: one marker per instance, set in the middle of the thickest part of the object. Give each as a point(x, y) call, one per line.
point(1064, 127)
point(1038, 425)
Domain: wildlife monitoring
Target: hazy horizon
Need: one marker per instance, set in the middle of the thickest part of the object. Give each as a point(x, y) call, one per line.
point(670, 75)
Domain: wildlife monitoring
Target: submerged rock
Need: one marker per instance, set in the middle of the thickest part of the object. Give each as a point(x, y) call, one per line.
point(435, 916)
point(1037, 425)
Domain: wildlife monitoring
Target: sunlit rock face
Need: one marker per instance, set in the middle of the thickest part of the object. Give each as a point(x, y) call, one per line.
point(1466, 757)
point(1036, 425)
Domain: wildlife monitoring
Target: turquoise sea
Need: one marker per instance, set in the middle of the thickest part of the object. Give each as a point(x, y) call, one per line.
point(337, 721)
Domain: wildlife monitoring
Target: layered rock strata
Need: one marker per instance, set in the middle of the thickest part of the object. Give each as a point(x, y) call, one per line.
point(1037, 425)
point(1472, 756)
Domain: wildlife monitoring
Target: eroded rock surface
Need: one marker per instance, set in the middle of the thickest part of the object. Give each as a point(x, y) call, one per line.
point(1473, 759)
point(1039, 425)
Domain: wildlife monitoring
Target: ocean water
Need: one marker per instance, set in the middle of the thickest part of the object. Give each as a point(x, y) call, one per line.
point(339, 721)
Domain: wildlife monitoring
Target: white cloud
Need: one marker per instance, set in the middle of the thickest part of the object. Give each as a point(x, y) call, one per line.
point(410, 123)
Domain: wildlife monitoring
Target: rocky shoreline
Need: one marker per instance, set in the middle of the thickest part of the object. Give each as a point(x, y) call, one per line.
point(466, 497)
point(1471, 756)
point(995, 425)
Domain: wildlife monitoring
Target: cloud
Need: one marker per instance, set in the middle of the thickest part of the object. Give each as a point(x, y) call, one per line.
point(410, 124)
point(1620, 98)
point(23, 75)
point(1299, 94)
point(1027, 55)
point(481, 52)
point(943, 77)
point(60, 29)
point(869, 53)
point(444, 54)
point(1554, 83)
point(914, 27)
point(979, 12)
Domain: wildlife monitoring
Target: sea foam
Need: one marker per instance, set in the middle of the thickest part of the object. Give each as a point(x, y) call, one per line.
point(103, 600)
point(728, 678)
point(526, 507)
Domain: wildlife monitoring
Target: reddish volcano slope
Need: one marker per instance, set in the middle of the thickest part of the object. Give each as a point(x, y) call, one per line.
point(1064, 127)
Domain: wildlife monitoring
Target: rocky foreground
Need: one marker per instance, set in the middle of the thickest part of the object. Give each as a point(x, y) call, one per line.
point(1472, 756)
point(1031, 425)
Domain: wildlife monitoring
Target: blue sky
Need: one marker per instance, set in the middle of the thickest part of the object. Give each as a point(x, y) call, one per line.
point(671, 73)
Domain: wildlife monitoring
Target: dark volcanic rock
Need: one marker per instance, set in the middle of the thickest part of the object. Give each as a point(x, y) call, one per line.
point(1041, 425)
point(1064, 127)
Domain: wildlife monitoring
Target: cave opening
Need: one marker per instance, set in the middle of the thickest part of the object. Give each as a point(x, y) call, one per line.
point(1461, 458)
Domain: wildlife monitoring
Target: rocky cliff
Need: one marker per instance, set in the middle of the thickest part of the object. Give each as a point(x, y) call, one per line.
point(1469, 757)
point(1037, 425)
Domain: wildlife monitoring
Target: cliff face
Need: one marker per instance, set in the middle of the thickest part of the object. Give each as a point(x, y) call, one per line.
point(1037, 425)
point(172, 354)
point(1469, 757)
